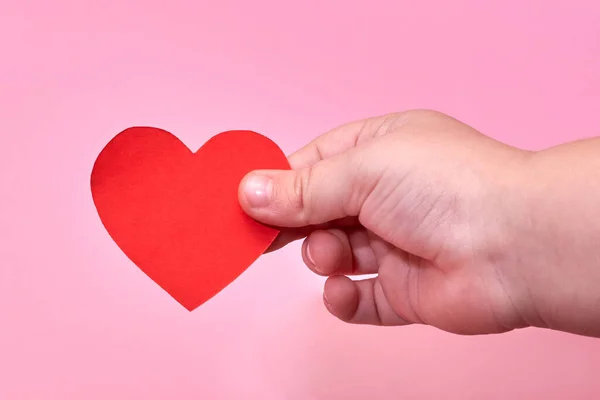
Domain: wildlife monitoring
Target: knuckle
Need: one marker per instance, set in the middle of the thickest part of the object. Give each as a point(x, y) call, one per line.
point(419, 117)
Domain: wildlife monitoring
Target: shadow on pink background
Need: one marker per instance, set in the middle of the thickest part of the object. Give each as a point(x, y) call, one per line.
point(79, 321)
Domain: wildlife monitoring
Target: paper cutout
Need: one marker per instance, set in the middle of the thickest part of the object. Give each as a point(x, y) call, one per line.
point(176, 213)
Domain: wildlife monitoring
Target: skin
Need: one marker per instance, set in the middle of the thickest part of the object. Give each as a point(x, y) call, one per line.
point(464, 233)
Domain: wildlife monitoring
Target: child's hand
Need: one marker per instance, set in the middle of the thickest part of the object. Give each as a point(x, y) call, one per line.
point(443, 214)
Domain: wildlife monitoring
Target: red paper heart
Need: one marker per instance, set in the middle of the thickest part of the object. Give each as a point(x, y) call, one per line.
point(176, 214)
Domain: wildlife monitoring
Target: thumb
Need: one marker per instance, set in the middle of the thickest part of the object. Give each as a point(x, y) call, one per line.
point(330, 189)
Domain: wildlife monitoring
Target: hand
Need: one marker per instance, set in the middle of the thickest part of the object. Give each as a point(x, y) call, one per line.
point(440, 212)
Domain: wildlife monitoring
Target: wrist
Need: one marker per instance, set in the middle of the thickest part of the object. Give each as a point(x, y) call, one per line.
point(556, 233)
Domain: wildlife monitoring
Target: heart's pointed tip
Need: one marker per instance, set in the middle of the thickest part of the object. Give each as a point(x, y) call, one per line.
point(190, 307)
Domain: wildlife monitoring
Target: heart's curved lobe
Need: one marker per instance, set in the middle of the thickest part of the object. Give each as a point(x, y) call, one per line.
point(176, 214)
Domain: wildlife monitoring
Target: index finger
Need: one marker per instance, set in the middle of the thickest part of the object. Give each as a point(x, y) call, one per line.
point(339, 140)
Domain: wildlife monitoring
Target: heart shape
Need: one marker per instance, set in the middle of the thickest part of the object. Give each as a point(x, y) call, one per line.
point(176, 213)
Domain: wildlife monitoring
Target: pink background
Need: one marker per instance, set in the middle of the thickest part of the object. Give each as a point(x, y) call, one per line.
point(79, 321)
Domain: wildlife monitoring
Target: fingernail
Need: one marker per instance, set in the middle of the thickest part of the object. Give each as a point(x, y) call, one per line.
point(308, 254)
point(326, 301)
point(257, 190)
